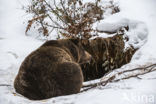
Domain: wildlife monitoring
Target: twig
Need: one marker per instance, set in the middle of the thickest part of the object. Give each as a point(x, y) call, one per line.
point(54, 21)
point(62, 4)
point(54, 26)
point(135, 75)
point(14, 54)
point(125, 71)
point(5, 85)
point(54, 11)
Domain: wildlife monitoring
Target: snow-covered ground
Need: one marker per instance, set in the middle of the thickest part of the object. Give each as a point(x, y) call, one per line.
point(140, 15)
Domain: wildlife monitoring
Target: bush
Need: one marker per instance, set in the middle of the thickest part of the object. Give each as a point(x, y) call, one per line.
point(71, 18)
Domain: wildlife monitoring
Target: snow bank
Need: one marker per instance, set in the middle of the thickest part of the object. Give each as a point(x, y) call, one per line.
point(137, 32)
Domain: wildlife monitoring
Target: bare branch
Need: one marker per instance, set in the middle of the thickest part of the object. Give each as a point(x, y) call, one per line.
point(142, 71)
point(54, 11)
point(5, 85)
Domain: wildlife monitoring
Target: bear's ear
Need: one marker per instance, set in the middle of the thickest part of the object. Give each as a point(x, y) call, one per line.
point(76, 41)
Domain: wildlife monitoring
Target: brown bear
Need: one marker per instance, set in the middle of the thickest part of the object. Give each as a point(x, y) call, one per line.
point(52, 70)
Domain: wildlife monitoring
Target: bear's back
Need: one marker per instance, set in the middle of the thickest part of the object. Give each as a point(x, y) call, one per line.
point(37, 72)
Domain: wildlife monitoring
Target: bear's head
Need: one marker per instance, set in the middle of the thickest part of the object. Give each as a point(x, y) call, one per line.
point(79, 52)
point(74, 47)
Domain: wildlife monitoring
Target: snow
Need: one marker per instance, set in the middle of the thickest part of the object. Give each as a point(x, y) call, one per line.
point(137, 32)
point(140, 15)
point(142, 10)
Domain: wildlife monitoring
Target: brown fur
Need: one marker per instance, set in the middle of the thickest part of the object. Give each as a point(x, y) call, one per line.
point(52, 70)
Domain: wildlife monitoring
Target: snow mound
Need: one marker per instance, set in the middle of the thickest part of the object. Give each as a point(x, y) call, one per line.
point(137, 32)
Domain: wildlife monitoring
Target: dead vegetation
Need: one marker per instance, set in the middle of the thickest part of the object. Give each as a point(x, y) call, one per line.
point(71, 18)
